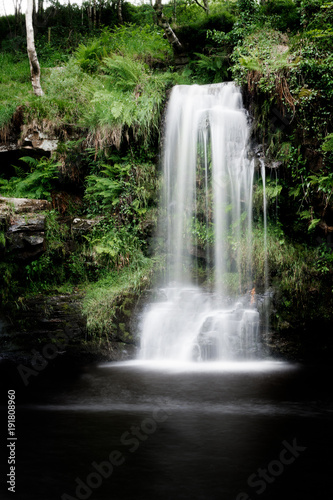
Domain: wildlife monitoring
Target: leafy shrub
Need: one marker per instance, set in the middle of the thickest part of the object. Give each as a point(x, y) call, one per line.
point(211, 68)
point(195, 34)
point(247, 6)
point(144, 43)
point(284, 14)
point(328, 143)
point(263, 62)
point(37, 184)
point(115, 247)
point(72, 263)
point(309, 10)
point(89, 56)
point(141, 15)
point(124, 189)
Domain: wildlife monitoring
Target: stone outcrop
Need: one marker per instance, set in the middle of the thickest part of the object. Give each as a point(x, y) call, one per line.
point(22, 205)
point(22, 221)
point(18, 136)
point(80, 225)
point(22, 224)
point(50, 330)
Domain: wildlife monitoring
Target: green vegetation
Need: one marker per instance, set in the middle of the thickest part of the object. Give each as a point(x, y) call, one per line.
point(115, 296)
point(129, 103)
point(301, 277)
point(285, 63)
point(108, 87)
point(37, 184)
point(106, 84)
point(15, 85)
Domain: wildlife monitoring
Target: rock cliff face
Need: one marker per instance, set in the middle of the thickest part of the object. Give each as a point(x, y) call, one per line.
point(23, 223)
point(48, 328)
point(47, 337)
point(52, 330)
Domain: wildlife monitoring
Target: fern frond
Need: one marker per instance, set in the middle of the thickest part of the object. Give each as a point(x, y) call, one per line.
point(328, 143)
point(124, 72)
point(32, 162)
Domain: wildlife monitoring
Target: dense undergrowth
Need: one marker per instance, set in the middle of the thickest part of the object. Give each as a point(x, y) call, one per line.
point(115, 296)
point(106, 85)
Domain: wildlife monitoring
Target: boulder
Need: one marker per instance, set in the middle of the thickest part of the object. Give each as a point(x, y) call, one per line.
point(23, 226)
point(81, 225)
point(22, 205)
point(25, 237)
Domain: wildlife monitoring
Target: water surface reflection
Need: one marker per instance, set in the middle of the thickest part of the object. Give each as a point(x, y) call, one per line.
point(183, 431)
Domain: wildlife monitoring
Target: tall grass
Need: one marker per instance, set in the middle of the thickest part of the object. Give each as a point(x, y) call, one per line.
point(105, 299)
point(68, 92)
point(144, 43)
point(15, 85)
point(130, 102)
point(108, 87)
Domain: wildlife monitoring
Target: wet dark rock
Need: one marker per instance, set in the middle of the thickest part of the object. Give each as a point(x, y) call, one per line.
point(81, 225)
point(181, 60)
point(206, 348)
point(258, 149)
point(25, 236)
point(24, 228)
point(46, 329)
point(197, 251)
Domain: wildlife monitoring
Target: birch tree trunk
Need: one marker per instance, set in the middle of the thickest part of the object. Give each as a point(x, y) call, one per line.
point(120, 11)
point(163, 23)
point(33, 60)
point(205, 6)
point(40, 6)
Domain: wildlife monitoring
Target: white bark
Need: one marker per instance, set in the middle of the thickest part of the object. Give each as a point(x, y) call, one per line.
point(32, 54)
point(163, 23)
point(120, 11)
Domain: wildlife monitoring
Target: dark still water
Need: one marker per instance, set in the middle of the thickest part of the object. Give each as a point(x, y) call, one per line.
point(137, 431)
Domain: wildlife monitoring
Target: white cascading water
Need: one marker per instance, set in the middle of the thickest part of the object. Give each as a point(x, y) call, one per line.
point(205, 151)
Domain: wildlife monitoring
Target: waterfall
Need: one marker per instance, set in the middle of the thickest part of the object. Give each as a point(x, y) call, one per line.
point(206, 217)
point(265, 320)
point(263, 177)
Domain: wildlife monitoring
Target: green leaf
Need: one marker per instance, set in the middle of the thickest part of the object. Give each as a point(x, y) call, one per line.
point(313, 224)
point(116, 109)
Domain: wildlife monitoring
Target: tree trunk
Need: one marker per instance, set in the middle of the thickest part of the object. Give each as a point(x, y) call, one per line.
point(120, 11)
point(163, 23)
point(89, 10)
point(94, 14)
point(205, 6)
point(34, 14)
point(17, 16)
point(33, 60)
